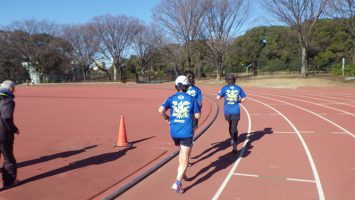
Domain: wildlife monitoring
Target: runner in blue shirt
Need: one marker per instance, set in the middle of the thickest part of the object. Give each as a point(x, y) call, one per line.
point(233, 95)
point(182, 109)
point(194, 91)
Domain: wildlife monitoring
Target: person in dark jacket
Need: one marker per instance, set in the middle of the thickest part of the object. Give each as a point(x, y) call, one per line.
point(7, 131)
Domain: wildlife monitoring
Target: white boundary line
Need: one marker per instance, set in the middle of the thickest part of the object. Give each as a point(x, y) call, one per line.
point(300, 180)
point(341, 111)
point(313, 166)
point(230, 174)
point(341, 128)
point(285, 178)
point(317, 97)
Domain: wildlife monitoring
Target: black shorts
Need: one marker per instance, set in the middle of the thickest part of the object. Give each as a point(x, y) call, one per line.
point(187, 142)
point(235, 117)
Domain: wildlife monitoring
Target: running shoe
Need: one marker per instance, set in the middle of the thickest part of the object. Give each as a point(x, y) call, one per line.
point(14, 183)
point(178, 188)
point(234, 146)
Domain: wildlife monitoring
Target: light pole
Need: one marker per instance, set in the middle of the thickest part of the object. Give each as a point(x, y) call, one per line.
point(343, 66)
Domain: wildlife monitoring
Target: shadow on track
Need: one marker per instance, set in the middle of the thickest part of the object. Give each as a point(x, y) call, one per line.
point(46, 158)
point(95, 160)
point(227, 159)
point(141, 140)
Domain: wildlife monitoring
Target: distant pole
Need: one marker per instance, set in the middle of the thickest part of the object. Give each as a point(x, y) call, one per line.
point(343, 66)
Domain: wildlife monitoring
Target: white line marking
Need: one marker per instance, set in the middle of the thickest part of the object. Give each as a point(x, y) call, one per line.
point(313, 166)
point(288, 179)
point(341, 128)
point(322, 113)
point(240, 155)
point(250, 175)
point(291, 132)
point(342, 111)
point(265, 114)
point(338, 132)
point(300, 180)
point(284, 132)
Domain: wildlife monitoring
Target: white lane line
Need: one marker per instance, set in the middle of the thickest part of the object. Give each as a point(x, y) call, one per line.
point(328, 94)
point(240, 155)
point(306, 131)
point(341, 128)
point(259, 114)
point(284, 132)
point(324, 114)
point(250, 175)
point(338, 132)
point(291, 132)
point(341, 111)
point(275, 177)
point(300, 180)
point(318, 99)
point(313, 166)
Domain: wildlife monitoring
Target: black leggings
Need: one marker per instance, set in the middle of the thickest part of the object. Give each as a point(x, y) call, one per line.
point(233, 121)
point(9, 169)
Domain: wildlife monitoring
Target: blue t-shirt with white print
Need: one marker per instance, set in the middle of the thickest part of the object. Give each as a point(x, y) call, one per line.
point(195, 92)
point(182, 107)
point(231, 93)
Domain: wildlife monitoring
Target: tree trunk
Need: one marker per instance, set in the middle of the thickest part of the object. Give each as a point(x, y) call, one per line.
point(255, 68)
point(121, 74)
point(219, 72)
point(84, 75)
point(304, 61)
point(114, 72)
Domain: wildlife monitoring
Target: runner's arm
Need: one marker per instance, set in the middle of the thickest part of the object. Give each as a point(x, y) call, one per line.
point(162, 111)
point(241, 100)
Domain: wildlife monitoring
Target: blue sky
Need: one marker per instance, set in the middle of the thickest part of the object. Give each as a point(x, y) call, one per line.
point(81, 11)
point(72, 11)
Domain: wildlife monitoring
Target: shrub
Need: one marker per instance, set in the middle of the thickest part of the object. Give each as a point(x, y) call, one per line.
point(349, 70)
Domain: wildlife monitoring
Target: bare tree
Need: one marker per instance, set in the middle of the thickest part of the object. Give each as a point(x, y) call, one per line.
point(116, 34)
point(84, 46)
point(33, 26)
point(145, 44)
point(183, 20)
point(172, 56)
point(300, 16)
point(224, 19)
point(345, 10)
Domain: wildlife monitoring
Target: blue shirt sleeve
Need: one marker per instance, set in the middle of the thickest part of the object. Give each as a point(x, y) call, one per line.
point(242, 94)
point(199, 97)
point(196, 107)
point(221, 92)
point(167, 103)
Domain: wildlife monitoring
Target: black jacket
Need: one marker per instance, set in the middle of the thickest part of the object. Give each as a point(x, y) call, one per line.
point(7, 107)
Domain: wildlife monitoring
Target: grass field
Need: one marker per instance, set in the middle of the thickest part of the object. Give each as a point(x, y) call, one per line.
point(287, 82)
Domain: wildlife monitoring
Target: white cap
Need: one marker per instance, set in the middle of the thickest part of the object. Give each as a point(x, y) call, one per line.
point(182, 80)
point(7, 84)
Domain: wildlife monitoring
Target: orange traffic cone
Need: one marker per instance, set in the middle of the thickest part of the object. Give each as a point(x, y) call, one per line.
point(122, 137)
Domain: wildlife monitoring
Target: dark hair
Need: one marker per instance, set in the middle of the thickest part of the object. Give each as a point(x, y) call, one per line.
point(230, 78)
point(189, 73)
point(191, 76)
point(181, 88)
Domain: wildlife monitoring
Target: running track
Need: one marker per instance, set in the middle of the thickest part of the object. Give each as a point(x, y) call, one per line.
point(294, 144)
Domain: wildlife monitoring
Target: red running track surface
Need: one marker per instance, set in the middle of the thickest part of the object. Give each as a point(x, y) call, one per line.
point(294, 144)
